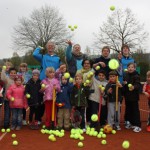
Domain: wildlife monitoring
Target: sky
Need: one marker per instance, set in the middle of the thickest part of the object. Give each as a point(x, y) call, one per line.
point(87, 14)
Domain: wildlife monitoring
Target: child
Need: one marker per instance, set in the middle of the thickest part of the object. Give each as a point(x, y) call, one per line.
point(8, 80)
point(8, 65)
point(131, 94)
point(35, 98)
point(110, 91)
point(23, 71)
point(94, 98)
point(146, 91)
point(15, 95)
point(1, 91)
point(50, 83)
point(79, 96)
point(63, 98)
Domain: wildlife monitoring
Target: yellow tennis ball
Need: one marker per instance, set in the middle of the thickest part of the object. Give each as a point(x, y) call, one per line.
point(97, 67)
point(104, 142)
point(129, 85)
point(15, 143)
point(43, 85)
point(87, 81)
point(28, 96)
point(94, 117)
point(113, 64)
point(112, 8)
point(69, 26)
point(67, 75)
point(113, 131)
point(70, 80)
point(75, 26)
point(12, 99)
point(80, 144)
point(125, 70)
point(125, 144)
point(4, 67)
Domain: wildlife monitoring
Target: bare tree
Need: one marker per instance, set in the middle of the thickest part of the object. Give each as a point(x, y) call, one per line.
point(121, 27)
point(44, 24)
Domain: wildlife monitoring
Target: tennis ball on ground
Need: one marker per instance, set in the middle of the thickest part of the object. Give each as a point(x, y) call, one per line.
point(7, 130)
point(28, 96)
point(43, 85)
point(69, 26)
point(13, 135)
point(112, 8)
point(62, 131)
point(94, 117)
point(43, 126)
point(113, 64)
point(75, 26)
point(12, 99)
point(104, 142)
point(2, 130)
point(81, 138)
point(15, 143)
point(129, 85)
point(97, 67)
point(80, 144)
point(42, 131)
point(99, 136)
point(103, 135)
point(113, 131)
point(125, 144)
point(4, 67)
point(67, 75)
point(70, 80)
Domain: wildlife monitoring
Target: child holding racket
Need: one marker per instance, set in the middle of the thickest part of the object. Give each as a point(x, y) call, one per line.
point(146, 91)
point(15, 95)
point(35, 98)
point(49, 84)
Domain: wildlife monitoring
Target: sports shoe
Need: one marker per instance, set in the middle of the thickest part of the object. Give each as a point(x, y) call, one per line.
point(24, 122)
point(118, 128)
point(148, 128)
point(128, 125)
point(137, 129)
point(84, 130)
point(18, 128)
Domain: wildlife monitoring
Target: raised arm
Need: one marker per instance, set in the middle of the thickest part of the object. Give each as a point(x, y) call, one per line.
point(37, 55)
point(69, 50)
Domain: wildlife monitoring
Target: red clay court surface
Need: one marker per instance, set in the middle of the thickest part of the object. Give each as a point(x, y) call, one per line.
point(35, 140)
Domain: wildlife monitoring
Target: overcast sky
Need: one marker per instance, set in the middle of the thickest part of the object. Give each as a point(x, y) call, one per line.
point(87, 14)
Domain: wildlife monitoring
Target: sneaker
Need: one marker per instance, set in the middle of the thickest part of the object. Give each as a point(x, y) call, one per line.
point(148, 128)
point(118, 128)
point(12, 128)
point(24, 122)
point(137, 129)
point(18, 128)
point(84, 130)
point(39, 122)
point(128, 125)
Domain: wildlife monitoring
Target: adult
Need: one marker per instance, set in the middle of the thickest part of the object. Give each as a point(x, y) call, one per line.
point(102, 61)
point(47, 60)
point(124, 59)
point(74, 58)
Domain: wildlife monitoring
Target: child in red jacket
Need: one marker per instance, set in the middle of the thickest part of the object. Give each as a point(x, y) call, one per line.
point(146, 91)
point(15, 94)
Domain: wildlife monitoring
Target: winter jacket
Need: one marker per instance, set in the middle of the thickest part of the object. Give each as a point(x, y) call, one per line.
point(74, 61)
point(33, 88)
point(48, 92)
point(134, 79)
point(146, 88)
point(104, 60)
point(46, 61)
point(79, 95)
point(64, 95)
point(17, 92)
point(95, 95)
point(111, 97)
point(26, 76)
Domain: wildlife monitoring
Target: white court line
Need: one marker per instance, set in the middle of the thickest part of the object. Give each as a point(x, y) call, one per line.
point(2, 136)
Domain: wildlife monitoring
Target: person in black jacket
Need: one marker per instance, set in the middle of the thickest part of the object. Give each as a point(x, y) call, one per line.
point(35, 98)
point(131, 93)
point(113, 117)
point(102, 61)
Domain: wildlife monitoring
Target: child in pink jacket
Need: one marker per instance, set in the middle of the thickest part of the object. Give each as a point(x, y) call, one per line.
point(48, 84)
point(15, 94)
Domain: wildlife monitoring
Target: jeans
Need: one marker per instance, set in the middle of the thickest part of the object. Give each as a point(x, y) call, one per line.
point(6, 114)
point(16, 117)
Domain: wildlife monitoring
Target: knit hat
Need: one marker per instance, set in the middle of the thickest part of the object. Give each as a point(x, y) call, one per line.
point(35, 71)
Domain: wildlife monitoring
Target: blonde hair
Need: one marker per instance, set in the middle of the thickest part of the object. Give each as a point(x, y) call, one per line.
point(148, 74)
point(79, 75)
point(23, 65)
point(48, 70)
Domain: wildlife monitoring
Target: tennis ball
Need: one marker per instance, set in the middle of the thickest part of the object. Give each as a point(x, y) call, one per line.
point(104, 142)
point(112, 8)
point(42, 131)
point(12, 99)
point(95, 133)
point(4, 67)
point(87, 81)
point(43, 126)
point(67, 75)
point(8, 130)
point(28, 96)
point(103, 88)
point(125, 144)
point(102, 129)
point(72, 136)
point(13, 135)
point(80, 144)
point(43, 85)
point(91, 73)
point(100, 86)
point(113, 64)
point(75, 26)
point(15, 143)
point(97, 67)
point(81, 138)
point(99, 136)
point(70, 80)
point(69, 26)
point(129, 85)
point(103, 135)
point(3, 130)
point(125, 70)
point(62, 131)
point(94, 117)
point(72, 29)
point(113, 131)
